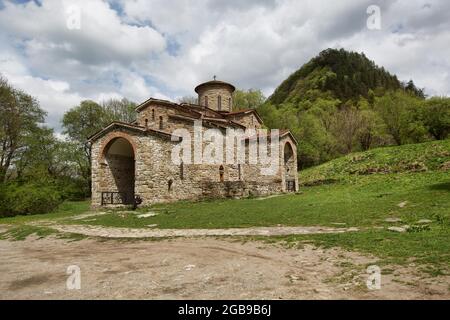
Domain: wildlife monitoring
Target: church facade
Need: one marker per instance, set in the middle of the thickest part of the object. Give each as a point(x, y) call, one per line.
point(139, 158)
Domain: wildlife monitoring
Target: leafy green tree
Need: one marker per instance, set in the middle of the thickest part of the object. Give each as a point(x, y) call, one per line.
point(119, 110)
point(250, 99)
point(402, 115)
point(79, 124)
point(20, 118)
point(437, 117)
point(83, 121)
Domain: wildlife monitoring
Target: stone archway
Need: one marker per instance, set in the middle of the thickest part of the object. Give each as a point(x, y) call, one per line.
point(118, 159)
point(289, 167)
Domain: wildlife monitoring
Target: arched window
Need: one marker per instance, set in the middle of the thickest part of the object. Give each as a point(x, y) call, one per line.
point(169, 185)
point(182, 170)
point(161, 125)
point(206, 101)
point(146, 123)
point(221, 173)
point(219, 103)
point(153, 114)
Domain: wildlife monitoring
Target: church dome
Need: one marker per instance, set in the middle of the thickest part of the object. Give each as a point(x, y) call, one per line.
point(216, 95)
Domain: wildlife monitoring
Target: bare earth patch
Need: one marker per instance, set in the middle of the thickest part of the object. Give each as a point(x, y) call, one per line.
point(111, 232)
point(200, 268)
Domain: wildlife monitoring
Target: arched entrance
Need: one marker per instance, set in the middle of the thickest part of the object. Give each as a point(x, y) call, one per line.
point(289, 167)
point(119, 172)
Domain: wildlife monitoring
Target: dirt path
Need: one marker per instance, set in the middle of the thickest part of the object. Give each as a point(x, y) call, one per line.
point(200, 268)
point(110, 232)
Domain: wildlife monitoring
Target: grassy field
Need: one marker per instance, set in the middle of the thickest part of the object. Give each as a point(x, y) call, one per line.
point(361, 190)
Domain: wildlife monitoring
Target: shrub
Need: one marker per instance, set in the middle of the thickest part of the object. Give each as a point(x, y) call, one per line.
point(26, 199)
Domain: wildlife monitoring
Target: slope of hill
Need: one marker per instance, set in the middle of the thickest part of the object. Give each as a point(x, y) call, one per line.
point(341, 74)
point(422, 157)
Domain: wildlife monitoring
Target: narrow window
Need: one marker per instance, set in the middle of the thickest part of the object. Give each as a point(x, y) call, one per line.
point(146, 123)
point(229, 103)
point(221, 173)
point(153, 114)
point(161, 123)
point(219, 103)
point(169, 185)
point(182, 170)
point(206, 101)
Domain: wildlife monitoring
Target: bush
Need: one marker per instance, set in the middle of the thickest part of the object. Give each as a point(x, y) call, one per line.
point(27, 199)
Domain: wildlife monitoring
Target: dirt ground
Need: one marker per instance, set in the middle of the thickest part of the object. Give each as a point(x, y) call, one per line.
point(198, 268)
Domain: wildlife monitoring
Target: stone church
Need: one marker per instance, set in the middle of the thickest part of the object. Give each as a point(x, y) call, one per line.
point(135, 159)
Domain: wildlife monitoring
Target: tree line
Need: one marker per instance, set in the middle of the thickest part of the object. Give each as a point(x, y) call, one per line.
point(38, 170)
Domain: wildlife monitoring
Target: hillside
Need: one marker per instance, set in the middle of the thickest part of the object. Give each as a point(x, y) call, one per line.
point(423, 157)
point(339, 74)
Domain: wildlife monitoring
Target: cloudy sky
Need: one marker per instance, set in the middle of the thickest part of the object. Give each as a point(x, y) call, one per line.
point(163, 48)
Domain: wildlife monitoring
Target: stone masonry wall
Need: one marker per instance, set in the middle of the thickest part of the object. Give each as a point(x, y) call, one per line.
point(213, 92)
point(154, 169)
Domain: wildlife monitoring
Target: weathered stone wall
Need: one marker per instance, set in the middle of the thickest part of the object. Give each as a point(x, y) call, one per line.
point(247, 120)
point(154, 169)
point(213, 92)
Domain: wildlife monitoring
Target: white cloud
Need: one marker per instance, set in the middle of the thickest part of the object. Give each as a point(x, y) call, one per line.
point(164, 48)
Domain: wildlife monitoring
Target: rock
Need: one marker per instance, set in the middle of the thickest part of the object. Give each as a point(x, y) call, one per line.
point(339, 223)
point(189, 267)
point(146, 215)
point(402, 204)
point(321, 291)
point(399, 229)
point(424, 221)
point(393, 220)
point(152, 225)
point(294, 277)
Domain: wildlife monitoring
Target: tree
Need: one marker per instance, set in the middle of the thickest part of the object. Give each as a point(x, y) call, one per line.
point(346, 127)
point(250, 99)
point(402, 115)
point(20, 118)
point(89, 117)
point(437, 117)
point(372, 131)
point(412, 89)
point(79, 124)
point(119, 110)
point(188, 99)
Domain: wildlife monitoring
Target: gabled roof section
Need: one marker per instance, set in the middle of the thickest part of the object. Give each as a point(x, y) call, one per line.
point(244, 113)
point(168, 104)
point(132, 127)
point(202, 109)
point(282, 133)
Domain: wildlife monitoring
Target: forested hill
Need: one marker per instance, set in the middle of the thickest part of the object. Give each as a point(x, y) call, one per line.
point(338, 74)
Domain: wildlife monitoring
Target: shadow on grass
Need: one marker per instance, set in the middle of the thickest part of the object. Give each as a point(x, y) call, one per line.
point(440, 186)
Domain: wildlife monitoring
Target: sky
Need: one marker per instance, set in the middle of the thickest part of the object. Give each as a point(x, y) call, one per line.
point(66, 51)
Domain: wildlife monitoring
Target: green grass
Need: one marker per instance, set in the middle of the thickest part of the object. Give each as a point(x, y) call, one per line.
point(430, 247)
point(66, 209)
point(421, 157)
point(20, 230)
point(360, 190)
point(365, 202)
